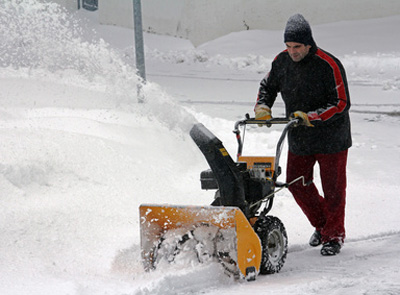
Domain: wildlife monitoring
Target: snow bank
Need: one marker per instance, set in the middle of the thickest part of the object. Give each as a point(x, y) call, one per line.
point(78, 154)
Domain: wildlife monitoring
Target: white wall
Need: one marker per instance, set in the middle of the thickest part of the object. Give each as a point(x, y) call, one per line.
point(70, 5)
point(204, 20)
point(116, 12)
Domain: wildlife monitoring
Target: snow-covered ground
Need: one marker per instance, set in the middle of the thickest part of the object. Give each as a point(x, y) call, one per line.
point(78, 154)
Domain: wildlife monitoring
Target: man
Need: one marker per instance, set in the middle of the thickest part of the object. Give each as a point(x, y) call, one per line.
point(313, 86)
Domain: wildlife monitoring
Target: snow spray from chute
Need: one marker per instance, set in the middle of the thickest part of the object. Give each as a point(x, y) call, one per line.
point(43, 39)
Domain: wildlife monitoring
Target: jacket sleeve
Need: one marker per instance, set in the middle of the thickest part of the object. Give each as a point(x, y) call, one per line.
point(269, 87)
point(337, 88)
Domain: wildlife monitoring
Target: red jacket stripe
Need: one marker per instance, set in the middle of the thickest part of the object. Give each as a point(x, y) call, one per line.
point(340, 87)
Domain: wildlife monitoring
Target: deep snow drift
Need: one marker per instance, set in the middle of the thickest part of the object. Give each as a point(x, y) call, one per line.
point(78, 154)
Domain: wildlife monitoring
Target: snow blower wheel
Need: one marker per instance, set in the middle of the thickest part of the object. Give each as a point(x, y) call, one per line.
point(272, 234)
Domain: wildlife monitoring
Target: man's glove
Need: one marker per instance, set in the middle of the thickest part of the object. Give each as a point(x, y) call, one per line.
point(302, 117)
point(262, 113)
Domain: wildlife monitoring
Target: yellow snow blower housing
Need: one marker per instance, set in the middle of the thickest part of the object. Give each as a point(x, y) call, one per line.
point(233, 235)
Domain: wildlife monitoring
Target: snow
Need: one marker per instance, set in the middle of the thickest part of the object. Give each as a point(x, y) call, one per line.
point(78, 154)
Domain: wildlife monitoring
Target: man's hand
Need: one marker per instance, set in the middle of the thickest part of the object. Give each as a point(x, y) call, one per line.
point(302, 117)
point(262, 113)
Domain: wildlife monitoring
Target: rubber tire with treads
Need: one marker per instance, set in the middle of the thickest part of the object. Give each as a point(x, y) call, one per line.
point(272, 234)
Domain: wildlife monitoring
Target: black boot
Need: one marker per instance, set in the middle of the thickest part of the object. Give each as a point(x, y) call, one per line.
point(315, 239)
point(330, 248)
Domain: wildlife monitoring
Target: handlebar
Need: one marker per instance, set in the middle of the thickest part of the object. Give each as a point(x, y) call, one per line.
point(268, 123)
point(251, 121)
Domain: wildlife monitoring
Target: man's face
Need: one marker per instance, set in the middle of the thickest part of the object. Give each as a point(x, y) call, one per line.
point(297, 51)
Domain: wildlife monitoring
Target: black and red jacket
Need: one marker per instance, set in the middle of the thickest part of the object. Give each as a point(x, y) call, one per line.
point(316, 85)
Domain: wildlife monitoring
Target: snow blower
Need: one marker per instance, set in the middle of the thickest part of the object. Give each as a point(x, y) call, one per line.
point(235, 229)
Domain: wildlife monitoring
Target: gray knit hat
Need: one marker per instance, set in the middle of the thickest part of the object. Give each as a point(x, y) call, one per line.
point(298, 30)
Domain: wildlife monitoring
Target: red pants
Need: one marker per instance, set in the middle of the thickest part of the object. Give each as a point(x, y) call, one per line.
point(326, 213)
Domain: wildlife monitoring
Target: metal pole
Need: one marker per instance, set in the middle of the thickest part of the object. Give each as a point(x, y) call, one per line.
point(139, 48)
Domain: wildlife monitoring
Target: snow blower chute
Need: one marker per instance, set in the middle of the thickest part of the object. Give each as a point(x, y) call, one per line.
point(235, 229)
